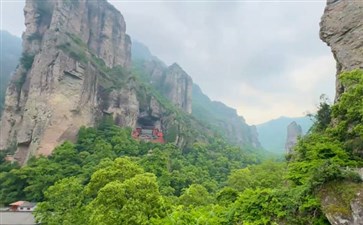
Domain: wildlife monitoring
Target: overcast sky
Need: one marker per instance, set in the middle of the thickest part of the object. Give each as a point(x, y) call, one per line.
point(263, 58)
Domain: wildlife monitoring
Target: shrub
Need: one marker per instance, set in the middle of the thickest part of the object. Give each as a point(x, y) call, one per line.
point(27, 60)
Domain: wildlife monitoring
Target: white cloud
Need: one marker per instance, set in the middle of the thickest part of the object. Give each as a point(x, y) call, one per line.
point(312, 73)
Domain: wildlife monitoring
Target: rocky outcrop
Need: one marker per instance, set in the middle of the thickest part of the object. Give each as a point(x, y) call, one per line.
point(60, 82)
point(342, 202)
point(74, 70)
point(123, 105)
point(177, 86)
point(172, 82)
point(294, 131)
point(341, 27)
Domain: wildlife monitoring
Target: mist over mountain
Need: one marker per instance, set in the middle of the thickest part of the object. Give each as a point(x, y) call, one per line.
point(9, 59)
point(141, 52)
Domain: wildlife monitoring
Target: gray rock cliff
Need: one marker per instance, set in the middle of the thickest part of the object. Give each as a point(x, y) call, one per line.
point(177, 86)
point(57, 86)
point(341, 27)
point(342, 202)
point(172, 82)
point(76, 68)
point(294, 131)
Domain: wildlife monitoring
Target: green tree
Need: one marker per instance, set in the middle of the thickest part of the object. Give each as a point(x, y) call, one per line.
point(323, 116)
point(63, 204)
point(119, 170)
point(268, 174)
point(135, 201)
point(195, 195)
point(348, 113)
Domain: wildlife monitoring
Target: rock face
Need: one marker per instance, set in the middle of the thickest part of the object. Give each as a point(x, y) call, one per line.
point(172, 82)
point(75, 68)
point(177, 86)
point(293, 132)
point(341, 27)
point(342, 203)
point(57, 87)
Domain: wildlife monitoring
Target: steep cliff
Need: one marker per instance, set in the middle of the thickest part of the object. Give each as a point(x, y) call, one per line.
point(342, 202)
point(294, 131)
point(341, 28)
point(170, 81)
point(68, 47)
point(177, 86)
point(75, 69)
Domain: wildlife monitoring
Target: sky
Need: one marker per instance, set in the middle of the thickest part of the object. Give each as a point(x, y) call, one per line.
point(263, 58)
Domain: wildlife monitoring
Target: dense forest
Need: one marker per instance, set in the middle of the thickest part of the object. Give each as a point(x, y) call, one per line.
point(106, 177)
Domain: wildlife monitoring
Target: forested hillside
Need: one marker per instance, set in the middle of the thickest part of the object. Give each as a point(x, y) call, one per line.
point(109, 178)
point(78, 96)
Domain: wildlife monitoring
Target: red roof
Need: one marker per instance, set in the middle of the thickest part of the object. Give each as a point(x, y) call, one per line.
point(18, 203)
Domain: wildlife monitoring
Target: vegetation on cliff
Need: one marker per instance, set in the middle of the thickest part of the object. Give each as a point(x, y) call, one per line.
point(109, 178)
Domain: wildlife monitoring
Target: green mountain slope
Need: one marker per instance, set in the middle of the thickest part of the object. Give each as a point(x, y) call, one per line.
point(223, 119)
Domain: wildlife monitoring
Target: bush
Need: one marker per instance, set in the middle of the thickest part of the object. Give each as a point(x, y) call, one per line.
point(27, 60)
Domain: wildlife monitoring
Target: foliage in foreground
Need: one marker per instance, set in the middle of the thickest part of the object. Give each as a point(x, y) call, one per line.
point(108, 178)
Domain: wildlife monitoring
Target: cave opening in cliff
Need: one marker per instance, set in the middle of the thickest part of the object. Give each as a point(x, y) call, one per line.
point(148, 122)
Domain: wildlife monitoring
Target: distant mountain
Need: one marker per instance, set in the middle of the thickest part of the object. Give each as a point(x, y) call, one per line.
point(9, 58)
point(272, 134)
point(224, 119)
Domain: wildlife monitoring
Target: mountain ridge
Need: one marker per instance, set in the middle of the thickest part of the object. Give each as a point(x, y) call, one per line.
point(217, 115)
